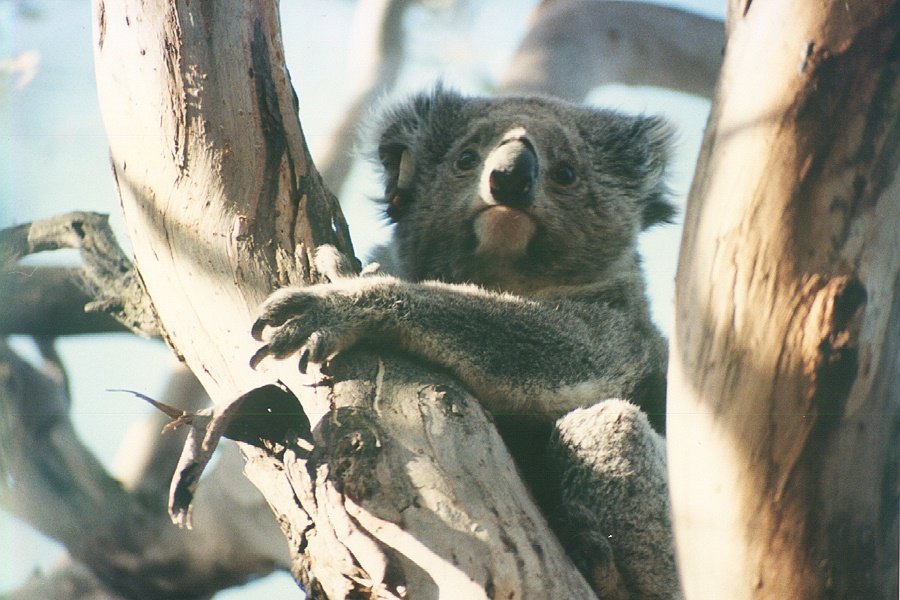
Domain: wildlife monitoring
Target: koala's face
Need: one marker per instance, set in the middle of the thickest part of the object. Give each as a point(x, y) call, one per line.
point(519, 193)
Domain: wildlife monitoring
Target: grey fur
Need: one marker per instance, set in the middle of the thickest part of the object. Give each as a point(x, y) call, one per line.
point(516, 252)
point(614, 478)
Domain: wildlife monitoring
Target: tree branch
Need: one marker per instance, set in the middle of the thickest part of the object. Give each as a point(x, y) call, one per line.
point(377, 43)
point(53, 482)
point(107, 274)
point(574, 46)
point(222, 201)
point(70, 580)
point(49, 302)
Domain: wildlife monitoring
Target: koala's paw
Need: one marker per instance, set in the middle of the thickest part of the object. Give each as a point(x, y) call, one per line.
point(318, 321)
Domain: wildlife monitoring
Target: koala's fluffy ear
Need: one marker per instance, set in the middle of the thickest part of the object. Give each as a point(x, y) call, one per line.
point(652, 139)
point(399, 173)
point(409, 133)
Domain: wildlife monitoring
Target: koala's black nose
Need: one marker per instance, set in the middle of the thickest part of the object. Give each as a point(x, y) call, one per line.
point(513, 170)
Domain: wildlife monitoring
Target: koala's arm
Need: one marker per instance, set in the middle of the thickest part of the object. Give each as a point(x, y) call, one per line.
point(518, 356)
point(615, 499)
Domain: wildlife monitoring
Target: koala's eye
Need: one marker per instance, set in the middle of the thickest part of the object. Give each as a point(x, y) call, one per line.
point(563, 174)
point(467, 160)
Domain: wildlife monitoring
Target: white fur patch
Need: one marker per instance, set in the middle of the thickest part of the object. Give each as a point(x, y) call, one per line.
point(568, 397)
point(516, 133)
point(503, 232)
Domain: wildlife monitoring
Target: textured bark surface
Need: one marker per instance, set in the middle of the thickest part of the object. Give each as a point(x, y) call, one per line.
point(784, 380)
point(398, 484)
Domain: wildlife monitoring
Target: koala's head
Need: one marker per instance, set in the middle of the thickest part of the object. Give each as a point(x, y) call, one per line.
point(520, 193)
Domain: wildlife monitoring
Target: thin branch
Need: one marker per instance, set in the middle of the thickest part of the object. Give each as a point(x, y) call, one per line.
point(49, 302)
point(107, 274)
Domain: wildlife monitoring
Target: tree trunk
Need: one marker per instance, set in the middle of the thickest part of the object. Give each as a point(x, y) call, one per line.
point(398, 485)
point(784, 377)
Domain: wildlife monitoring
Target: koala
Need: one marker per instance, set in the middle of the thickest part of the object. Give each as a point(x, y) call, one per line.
point(515, 268)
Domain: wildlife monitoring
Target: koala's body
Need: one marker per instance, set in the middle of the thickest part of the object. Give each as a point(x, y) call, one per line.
point(517, 270)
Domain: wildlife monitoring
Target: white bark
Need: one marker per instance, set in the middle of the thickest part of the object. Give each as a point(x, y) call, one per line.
point(784, 376)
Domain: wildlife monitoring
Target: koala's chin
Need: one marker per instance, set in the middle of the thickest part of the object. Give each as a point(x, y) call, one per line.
point(503, 232)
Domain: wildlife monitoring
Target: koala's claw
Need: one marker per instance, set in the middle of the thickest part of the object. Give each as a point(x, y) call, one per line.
point(259, 355)
point(266, 351)
point(303, 362)
point(320, 320)
point(283, 339)
point(282, 305)
point(281, 327)
point(257, 329)
point(299, 321)
point(318, 347)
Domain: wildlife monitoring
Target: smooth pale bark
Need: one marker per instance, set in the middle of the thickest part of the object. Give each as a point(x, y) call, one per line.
point(402, 485)
point(211, 168)
point(784, 377)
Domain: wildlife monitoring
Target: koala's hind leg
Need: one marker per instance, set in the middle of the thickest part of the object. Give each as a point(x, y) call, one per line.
point(614, 499)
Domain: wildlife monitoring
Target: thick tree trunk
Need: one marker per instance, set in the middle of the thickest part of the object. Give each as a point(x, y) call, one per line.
point(398, 484)
point(784, 379)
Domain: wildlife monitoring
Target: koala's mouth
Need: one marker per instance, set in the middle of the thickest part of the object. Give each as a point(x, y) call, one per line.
point(503, 231)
